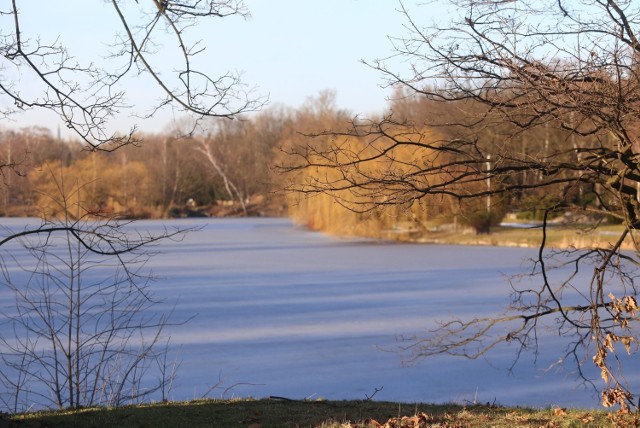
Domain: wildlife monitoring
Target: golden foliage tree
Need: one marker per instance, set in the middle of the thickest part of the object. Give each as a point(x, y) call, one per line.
point(93, 185)
point(365, 183)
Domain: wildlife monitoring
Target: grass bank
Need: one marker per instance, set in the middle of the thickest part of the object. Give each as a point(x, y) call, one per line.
point(280, 413)
point(558, 236)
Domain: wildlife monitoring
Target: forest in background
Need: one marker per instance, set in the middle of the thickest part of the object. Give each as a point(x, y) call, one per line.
point(225, 169)
point(246, 167)
point(395, 176)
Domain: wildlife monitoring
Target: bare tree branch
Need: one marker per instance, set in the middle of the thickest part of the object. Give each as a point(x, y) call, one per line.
point(509, 104)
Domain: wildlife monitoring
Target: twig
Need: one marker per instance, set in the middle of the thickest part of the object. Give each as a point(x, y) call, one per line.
point(375, 391)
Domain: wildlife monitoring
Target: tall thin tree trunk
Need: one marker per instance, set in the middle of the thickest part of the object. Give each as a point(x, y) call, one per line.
point(231, 188)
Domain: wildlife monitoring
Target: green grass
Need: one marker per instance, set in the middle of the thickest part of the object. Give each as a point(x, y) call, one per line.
point(268, 413)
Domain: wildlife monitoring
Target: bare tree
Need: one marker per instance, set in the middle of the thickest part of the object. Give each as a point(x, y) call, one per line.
point(516, 99)
point(82, 329)
point(87, 96)
point(86, 339)
point(205, 148)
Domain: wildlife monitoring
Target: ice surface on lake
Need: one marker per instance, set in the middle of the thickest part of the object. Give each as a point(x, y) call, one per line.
point(278, 310)
point(283, 311)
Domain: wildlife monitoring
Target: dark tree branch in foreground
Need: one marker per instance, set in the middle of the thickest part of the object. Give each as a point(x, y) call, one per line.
point(83, 330)
point(87, 97)
point(511, 104)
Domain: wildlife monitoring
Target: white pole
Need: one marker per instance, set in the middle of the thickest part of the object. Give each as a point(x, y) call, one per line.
point(488, 165)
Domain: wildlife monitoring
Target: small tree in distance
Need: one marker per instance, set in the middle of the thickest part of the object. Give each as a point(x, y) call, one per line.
point(549, 91)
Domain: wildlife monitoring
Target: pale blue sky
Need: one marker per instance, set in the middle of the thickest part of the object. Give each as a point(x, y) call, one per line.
point(297, 48)
point(288, 49)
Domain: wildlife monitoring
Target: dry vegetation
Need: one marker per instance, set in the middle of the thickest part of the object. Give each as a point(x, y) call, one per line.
point(270, 413)
point(561, 236)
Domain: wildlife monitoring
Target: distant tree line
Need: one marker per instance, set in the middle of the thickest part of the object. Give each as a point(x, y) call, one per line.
point(234, 167)
point(227, 164)
point(411, 170)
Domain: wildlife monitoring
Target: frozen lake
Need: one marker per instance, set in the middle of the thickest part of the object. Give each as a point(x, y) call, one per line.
point(278, 310)
point(283, 311)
